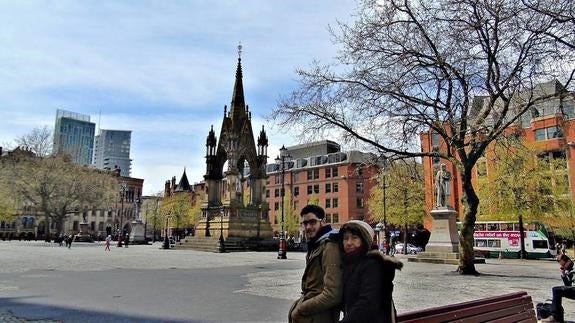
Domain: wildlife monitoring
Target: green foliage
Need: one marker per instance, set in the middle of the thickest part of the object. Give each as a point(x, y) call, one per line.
point(313, 199)
point(291, 215)
point(520, 182)
point(152, 211)
point(404, 195)
point(178, 208)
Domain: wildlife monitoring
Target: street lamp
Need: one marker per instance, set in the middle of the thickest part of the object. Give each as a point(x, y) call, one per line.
point(166, 239)
point(221, 246)
point(281, 160)
point(385, 231)
point(123, 187)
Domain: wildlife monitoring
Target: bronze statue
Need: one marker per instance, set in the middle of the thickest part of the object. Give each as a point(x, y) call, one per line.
point(442, 179)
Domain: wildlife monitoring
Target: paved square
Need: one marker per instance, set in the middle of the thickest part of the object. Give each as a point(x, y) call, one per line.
point(45, 283)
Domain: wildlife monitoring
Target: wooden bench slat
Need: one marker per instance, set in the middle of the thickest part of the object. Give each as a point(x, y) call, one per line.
point(501, 314)
point(514, 307)
point(407, 317)
point(472, 310)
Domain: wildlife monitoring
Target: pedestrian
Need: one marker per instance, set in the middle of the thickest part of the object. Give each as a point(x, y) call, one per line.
point(367, 276)
point(126, 240)
point(69, 241)
point(567, 291)
point(321, 282)
point(108, 242)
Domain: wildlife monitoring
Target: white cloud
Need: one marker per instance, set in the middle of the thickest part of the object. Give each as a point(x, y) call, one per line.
point(163, 69)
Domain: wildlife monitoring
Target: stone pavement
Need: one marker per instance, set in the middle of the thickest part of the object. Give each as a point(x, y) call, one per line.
point(267, 284)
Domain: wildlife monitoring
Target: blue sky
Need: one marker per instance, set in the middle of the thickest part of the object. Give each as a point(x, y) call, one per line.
point(163, 69)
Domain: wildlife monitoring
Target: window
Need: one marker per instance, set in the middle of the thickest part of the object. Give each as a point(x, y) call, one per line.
point(540, 244)
point(335, 218)
point(327, 203)
point(328, 218)
point(331, 172)
point(313, 174)
point(335, 187)
point(359, 202)
point(101, 226)
point(296, 177)
point(309, 190)
point(277, 179)
point(334, 202)
point(359, 187)
point(494, 243)
point(328, 188)
point(548, 133)
point(296, 191)
point(276, 206)
point(267, 193)
point(276, 192)
point(316, 188)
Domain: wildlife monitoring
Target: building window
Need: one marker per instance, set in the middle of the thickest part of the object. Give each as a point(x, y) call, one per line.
point(277, 179)
point(101, 226)
point(267, 193)
point(276, 206)
point(334, 202)
point(296, 191)
point(335, 218)
point(335, 187)
point(296, 177)
point(313, 174)
point(548, 133)
point(331, 172)
point(309, 190)
point(328, 188)
point(359, 202)
point(276, 192)
point(316, 188)
point(360, 172)
point(359, 187)
point(327, 203)
point(328, 218)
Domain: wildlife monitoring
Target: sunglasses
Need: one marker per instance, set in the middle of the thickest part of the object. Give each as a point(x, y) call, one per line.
point(310, 222)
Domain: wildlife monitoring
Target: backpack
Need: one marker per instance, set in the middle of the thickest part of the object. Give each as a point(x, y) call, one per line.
point(543, 310)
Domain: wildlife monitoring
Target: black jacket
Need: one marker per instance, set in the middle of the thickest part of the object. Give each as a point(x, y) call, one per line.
point(368, 289)
point(569, 273)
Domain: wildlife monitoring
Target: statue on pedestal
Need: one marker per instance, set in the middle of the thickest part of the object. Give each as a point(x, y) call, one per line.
point(442, 186)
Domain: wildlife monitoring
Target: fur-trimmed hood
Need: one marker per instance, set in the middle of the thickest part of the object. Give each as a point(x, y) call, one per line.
point(387, 261)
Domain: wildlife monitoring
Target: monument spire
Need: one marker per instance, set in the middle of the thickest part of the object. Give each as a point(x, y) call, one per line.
point(238, 103)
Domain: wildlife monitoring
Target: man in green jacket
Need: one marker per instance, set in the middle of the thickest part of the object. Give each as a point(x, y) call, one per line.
point(322, 279)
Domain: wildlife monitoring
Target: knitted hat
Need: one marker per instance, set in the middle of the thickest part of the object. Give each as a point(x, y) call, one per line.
point(356, 226)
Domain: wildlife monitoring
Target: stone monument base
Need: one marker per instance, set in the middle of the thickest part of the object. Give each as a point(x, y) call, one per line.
point(242, 229)
point(443, 245)
point(137, 235)
point(83, 235)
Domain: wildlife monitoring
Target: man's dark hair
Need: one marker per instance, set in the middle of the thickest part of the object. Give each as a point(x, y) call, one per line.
point(315, 209)
point(563, 257)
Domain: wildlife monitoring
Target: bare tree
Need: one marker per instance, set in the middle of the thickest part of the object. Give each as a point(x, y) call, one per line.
point(39, 141)
point(411, 66)
point(58, 187)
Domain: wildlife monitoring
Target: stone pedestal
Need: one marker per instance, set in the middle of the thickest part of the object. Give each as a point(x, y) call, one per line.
point(84, 235)
point(137, 235)
point(443, 246)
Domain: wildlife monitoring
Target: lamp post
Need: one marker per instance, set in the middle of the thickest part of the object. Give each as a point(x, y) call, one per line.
point(221, 245)
point(166, 239)
point(281, 160)
point(120, 229)
point(384, 228)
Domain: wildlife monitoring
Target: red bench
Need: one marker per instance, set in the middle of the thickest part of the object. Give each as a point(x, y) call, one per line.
point(514, 307)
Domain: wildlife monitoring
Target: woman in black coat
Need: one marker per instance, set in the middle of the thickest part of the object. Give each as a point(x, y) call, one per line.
point(367, 277)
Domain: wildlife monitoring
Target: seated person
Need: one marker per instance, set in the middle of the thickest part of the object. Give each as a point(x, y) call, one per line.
point(567, 291)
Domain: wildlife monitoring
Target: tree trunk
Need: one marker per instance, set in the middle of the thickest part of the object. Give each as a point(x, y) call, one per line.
point(466, 243)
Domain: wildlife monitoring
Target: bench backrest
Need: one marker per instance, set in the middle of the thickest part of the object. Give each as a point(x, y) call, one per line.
point(514, 307)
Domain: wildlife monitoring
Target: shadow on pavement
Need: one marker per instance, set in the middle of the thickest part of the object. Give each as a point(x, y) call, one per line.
point(16, 309)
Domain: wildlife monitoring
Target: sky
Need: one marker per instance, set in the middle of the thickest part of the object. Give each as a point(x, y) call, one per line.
point(163, 69)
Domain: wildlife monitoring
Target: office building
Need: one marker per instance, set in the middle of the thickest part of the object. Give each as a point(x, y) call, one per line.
point(112, 151)
point(74, 135)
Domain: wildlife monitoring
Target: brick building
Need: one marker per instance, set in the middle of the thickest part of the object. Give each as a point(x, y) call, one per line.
point(549, 126)
point(341, 181)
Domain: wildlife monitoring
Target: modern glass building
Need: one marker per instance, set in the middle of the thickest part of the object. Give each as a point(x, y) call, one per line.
point(74, 135)
point(112, 150)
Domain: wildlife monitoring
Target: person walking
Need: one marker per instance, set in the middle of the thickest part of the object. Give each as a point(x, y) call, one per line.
point(367, 276)
point(567, 291)
point(321, 282)
point(69, 241)
point(108, 242)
